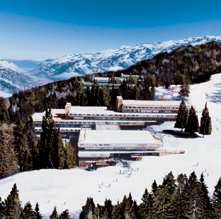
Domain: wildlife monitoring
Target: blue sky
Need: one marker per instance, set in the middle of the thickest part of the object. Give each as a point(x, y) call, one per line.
point(40, 29)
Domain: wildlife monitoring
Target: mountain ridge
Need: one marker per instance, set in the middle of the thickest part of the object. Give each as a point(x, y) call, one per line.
point(112, 59)
point(13, 77)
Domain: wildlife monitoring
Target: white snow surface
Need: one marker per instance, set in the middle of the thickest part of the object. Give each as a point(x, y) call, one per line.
point(68, 189)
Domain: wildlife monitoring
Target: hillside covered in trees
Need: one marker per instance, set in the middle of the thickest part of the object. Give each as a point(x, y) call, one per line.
point(191, 64)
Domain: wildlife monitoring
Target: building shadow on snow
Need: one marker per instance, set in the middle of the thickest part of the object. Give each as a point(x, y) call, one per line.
point(180, 134)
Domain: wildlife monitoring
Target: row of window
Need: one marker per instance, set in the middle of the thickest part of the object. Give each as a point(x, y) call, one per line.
point(135, 110)
point(151, 107)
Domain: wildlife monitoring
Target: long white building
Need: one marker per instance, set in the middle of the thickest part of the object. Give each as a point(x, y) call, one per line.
point(84, 126)
point(117, 140)
point(130, 113)
point(90, 116)
point(147, 106)
point(102, 146)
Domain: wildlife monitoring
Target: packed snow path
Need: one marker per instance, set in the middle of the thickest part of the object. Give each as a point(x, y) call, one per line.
point(70, 188)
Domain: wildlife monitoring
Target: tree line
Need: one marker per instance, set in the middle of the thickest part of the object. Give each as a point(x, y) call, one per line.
point(187, 120)
point(98, 95)
point(21, 150)
point(175, 198)
point(49, 152)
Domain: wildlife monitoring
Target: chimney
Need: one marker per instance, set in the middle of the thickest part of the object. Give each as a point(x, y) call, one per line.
point(67, 109)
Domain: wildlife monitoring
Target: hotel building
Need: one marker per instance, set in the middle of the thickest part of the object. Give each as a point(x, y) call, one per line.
point(103, 146)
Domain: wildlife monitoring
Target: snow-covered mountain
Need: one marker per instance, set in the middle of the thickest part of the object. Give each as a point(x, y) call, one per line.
point(21, 74)
point(13, 78)
point(115, 59)
point(27, 65)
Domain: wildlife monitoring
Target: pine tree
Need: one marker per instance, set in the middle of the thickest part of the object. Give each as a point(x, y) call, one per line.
point(184, 90)
point(169, 183)
point(144, 204)
point(102, 97)
point(192, 198)
point(117, 212)
point(4, 115)
point(205, 200)
point(54, 214)
point(38, 215)
point(134, 214)
point(24, 154)
point(179, 202)
point(2, 208)
point(192, 125)
point(65, 215)
point(87, 209)
point(113, 95)
point(182, 116)
point(8, 159)
point(182, 181)
point(145, 208)
point(28, 212)
point(57, 151)
point(126, 205)
point(216, 200)
point(205, 122)
point(124, 89)
point(13, 205)
point(137, 91)
point(163, 205)
point(71, 158)
point(129, 201)
point(45, 143)
point(154, 187)
point(150, 206)
point(51, 148)
point(108, 208)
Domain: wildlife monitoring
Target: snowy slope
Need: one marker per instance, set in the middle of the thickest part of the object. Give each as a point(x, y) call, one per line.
point(24, 64)
point(115, 59)
point(14, 78)
point(70, 188)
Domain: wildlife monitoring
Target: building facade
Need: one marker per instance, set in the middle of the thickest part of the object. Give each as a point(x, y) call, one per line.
point(147, 106)
point(87, 127)
point(105, 146)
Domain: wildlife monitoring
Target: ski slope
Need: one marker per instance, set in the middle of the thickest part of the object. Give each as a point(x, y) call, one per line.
point(70, 188)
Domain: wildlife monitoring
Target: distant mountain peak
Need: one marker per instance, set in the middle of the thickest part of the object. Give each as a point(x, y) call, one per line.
point(111, 59)
point(14, 78)
point(20, 74)
point(9, 65)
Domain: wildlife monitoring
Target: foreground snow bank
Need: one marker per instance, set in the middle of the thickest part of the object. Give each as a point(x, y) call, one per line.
point(70, 188)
